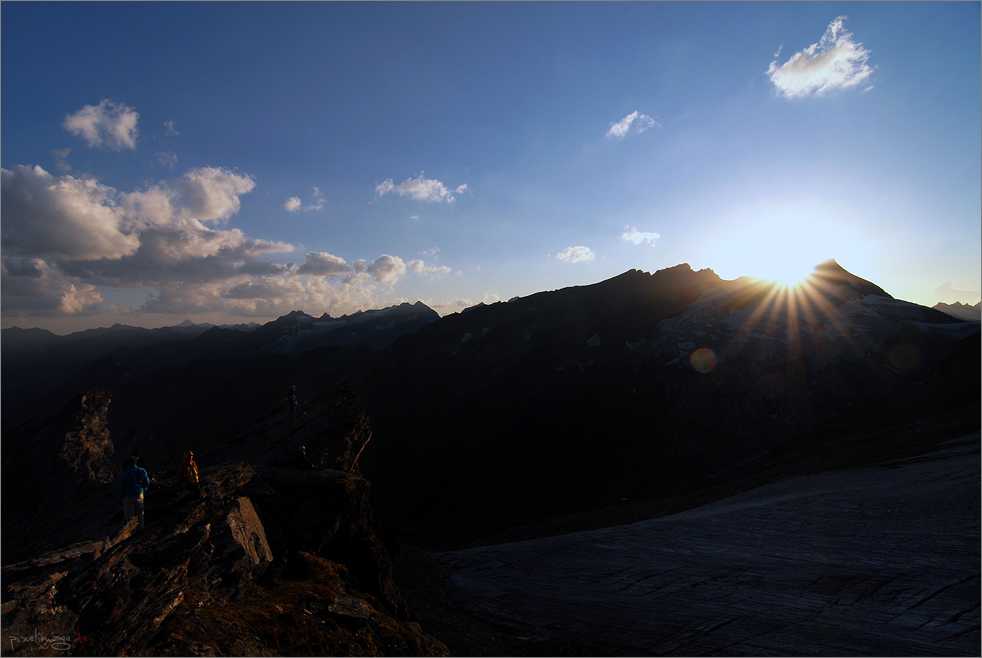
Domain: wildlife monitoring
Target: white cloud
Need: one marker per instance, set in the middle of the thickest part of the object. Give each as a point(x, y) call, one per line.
point(451, 305)
point(212, 193)
point(387, 269)
point(422, 269)
point(294, 204)
point(835, 62)
point(639, 122)
point(420, 189)
point(576, 255)
point(169, 128)
point(638, 237)
point(106, 124)
point(324, 264)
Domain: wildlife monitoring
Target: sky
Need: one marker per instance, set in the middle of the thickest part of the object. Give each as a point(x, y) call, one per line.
point(232, 162)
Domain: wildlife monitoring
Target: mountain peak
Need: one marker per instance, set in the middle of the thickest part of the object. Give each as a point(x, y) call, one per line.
point(296, 316)
point(830, 272)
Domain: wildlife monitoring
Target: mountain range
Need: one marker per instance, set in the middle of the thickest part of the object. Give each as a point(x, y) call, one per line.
point(961, 311)
point(557, 401)
point(574, 408)
point(42, 371)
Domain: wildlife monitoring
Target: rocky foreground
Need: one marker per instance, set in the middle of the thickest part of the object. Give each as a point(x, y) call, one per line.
point(272, 560)
point(879, 560)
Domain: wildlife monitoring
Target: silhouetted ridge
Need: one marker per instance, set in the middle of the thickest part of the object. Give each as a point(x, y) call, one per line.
point(961, 311)
point(831, 272)
point(633, 385)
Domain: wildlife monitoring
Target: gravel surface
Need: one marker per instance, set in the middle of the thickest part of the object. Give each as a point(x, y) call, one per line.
point(880, 560)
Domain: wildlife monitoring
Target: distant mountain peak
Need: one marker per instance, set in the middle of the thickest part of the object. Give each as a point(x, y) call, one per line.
point(961, 311)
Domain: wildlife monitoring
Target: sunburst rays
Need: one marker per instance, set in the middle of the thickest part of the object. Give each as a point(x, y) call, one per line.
point(793, 310)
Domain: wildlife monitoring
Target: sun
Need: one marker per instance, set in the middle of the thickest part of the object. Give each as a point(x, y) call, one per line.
point(786, 269)
point(783, 248)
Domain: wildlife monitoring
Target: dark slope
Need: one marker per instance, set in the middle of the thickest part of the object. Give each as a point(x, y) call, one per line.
point(207, 402)
point(577, 398)
point(490, 409)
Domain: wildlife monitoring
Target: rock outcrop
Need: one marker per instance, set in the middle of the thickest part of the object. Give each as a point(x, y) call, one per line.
point(55, 471)
point(271, 560)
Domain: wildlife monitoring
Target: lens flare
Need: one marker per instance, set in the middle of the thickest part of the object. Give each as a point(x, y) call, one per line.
point(703, 360)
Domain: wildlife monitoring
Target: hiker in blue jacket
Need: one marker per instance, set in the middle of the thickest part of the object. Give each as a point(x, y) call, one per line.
point(292, 398)
point(130, 487)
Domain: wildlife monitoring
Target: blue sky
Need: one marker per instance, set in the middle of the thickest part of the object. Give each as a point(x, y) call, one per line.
point(231, 162)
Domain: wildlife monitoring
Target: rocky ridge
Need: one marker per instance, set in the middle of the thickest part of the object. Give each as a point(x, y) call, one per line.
point(272, 560)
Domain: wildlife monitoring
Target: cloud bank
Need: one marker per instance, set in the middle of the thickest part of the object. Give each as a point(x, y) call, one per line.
point(420, 189)
point(67, 240)
point(835, 62)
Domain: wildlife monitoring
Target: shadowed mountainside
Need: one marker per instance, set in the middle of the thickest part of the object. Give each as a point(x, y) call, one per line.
point(574, 399)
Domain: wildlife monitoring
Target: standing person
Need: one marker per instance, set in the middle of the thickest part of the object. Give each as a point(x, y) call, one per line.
point(292, 396)
point(302, 460)
point(130, 486)
point(142, 463)
point(187, 474)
